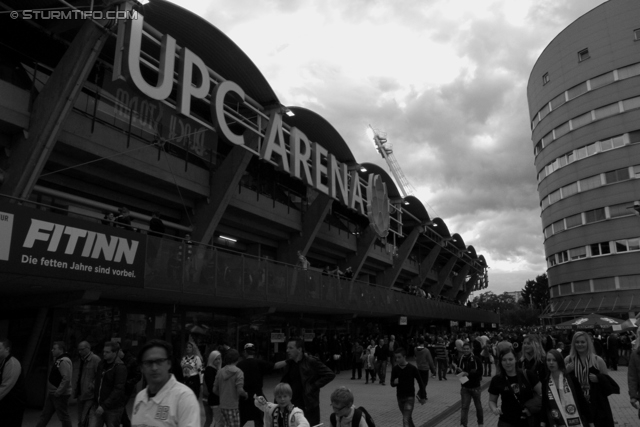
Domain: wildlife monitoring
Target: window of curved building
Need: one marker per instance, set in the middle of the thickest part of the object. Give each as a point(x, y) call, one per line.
point(582, 287)
point(617, 175)
point(629, 282)
point(604, 284)
point(584, 87)
point(594, 215)
point(574, 220)
point(595, 250)
point(599, 249)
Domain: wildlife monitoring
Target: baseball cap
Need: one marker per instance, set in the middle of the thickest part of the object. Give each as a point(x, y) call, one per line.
point(248, 345)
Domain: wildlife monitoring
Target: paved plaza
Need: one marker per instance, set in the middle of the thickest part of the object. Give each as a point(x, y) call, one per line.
point(442, 408)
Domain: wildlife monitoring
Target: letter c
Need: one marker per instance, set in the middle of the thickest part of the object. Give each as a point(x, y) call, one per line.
point(217, 109)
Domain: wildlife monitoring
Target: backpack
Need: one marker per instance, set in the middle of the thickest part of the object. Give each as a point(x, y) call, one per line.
point(357, 415)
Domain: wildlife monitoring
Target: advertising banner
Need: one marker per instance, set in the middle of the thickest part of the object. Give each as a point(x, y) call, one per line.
point(39, 243)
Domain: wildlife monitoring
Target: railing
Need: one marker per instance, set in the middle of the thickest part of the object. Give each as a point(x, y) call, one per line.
point(209, 271)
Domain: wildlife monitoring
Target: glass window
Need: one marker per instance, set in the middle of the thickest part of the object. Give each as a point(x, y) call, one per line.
point(554, 292)
point(607, 111)
point(601, 80)
point(569, 190)
point(548, 232)
point(583, 55)
point(558, 226)
point(592, 149)
point(629, 71)
point(535, 121)
point(544, 111)
point(636, 171)
point(629, 282)
point(620, 210)
point(617, 175)
point(574, 221)
point(577, 90)
point(563, 256)
point(558, 101)
point(545, 79)
point(634, 137)
point(581, 153)
point(631, 103)
point(562, 130)
point(565, 289)
point(594, 215)
point(546, 140)
point(598, 249)
point(590, 183)
point(634, 244)
point(621, 246)
point(604, 284)
point(618, 141)
point(571, 157)
point(554, 197)
point(578, 253)
point(545, 203)
point(562, 161)
point(581, 287)
point(636, 34)
point(606, 145)
point(578, 122)
point(537, 148)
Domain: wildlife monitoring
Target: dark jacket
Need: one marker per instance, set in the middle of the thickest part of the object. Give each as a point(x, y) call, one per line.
point(578, 397)
point(472, 366)
point(314, 374)
point(633, 375)
point(110, 383)
point(87, 379)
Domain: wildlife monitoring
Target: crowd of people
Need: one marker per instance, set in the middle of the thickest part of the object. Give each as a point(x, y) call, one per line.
point(542, 377)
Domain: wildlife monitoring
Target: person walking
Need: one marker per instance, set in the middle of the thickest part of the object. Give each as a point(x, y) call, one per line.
point(356, 360)
point(12, 390)
point(369, 363)
point(306, 375)
point(191, 365)
point(590, 370)
point(381, 357)
point(229, 385)
point(469, 370)
point(254, 371)
point(164, 402)
point(563, 402)
point(424, 362)
point(613, 347)
point(111, 378)
point(403, 376)
point(212, 407)
point(58, 387)
point(85, 378)
point(514, 388)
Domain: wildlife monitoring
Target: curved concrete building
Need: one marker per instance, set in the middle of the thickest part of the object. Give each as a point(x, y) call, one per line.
point(584, 104)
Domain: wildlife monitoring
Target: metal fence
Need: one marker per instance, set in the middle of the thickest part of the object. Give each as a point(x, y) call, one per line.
point(194, 268)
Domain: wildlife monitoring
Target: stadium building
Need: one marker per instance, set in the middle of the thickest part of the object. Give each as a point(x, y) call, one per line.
point(584, 104)
point(158, 111)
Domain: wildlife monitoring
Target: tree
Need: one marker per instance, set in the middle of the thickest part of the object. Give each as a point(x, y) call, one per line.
point(535, 293)
point(490, 301)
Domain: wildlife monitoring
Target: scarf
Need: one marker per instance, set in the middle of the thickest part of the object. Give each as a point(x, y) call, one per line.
point(582, 373)
point(280, 418)
point(563, 407)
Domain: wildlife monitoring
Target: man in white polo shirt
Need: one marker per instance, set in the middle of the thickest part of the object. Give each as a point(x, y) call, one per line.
point(164, 402)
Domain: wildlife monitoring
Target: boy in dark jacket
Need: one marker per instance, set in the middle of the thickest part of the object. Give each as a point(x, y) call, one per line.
point(469, 367)
point(403, 374)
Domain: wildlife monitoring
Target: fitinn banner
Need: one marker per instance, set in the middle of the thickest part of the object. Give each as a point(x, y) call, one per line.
point(39, 243)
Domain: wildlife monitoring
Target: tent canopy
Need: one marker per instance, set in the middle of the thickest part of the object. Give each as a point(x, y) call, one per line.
point(592, 321)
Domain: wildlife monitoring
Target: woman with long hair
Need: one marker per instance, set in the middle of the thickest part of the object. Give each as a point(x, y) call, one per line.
point(514, 387)
point(191, 365)
point(563, 403)
point(533, 356)
point(590, 370)
point(212, 408)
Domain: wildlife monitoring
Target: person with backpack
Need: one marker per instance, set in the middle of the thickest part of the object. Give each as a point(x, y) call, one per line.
point(403, 376)
point(345, 414)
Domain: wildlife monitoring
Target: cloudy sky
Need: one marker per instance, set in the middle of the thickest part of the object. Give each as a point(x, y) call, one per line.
point(446, 79)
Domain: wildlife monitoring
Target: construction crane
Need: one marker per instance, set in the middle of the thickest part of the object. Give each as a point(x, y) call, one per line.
point(386, 151)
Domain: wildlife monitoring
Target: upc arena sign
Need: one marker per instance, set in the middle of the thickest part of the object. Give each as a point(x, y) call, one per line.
point(35, 242)
point(306, 160)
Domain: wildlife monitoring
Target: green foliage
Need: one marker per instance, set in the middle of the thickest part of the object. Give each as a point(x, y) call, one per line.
point(520, 316)
point(490, 301)
point(535, 293)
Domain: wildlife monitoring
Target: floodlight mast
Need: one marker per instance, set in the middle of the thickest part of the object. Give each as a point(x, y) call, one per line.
point(385, 150)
